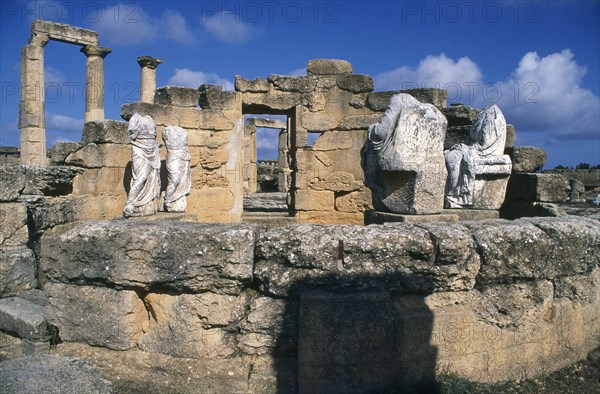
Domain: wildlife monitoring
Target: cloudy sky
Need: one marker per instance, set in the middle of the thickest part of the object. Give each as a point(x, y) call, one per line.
point(538, 60)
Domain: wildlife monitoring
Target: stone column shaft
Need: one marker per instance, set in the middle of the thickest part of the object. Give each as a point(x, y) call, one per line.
point(94, 82)
point(32, 123)
point(148, 77)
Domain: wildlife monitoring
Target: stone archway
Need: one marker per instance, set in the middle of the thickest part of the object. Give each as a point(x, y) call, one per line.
point(32, 123)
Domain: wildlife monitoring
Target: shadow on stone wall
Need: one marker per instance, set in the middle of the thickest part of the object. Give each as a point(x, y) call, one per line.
point(344, 338)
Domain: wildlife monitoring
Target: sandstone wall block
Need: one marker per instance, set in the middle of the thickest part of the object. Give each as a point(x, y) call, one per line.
point(12, 182)
point(13, 231)
point(355, 83)
point(537, 187)
point(177, 96)
point(17, 270)
point(526, 158)
point(107, 131)
point(328, 67)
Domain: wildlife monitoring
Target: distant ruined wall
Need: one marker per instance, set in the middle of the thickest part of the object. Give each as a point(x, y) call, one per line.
point(306, 307)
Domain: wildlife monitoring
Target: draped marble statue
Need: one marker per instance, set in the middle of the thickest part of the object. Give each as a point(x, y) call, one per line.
point(178, 170)
point(145, 180)
point(403, 158)
point(482, 161)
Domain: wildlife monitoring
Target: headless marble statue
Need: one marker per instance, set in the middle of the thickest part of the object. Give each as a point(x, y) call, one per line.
point(145, 180)
point(178, 170)
point(483, 155)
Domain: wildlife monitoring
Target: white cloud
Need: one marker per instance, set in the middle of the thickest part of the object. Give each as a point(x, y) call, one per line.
point(63, 123)
point(433, 71)
point(267, 139)
point(227, 28)
point(129, 24)
point(193, 79)
point(298, 72)
point(546, 94)
point(53, 75)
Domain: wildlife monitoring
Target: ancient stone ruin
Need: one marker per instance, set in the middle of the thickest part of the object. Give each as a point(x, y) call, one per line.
point(356, 278)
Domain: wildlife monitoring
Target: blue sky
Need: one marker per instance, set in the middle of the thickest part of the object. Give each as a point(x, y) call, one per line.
point(538, 60)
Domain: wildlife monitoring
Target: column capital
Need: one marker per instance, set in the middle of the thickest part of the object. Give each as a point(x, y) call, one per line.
point(92, 50)
point(149, 61)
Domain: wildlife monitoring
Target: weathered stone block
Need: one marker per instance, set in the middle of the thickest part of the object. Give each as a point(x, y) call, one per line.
point(164, 115)
point(193, 326)
point(338, 181)
point(378, 101)
point(357, 122)
point(212, 97)
point(537, 187)
point(180, 256)
point(318, 121)
point(511, 135)
point(460, 115)
point(107, 131)
point(47, 374)
point(399, 257)
point(115, 155)
point(267, 123)
point(89, 157)
point(379, 217)
point(50, 180)
point(177, 96)
point(355, 201)
point(328, 67)
point(551, 248)
point(526, 158)
point(13, 231)
point(12, 182)
point(456, 135)
point(300, 84)
point(264, 102)
point(335, 140)
point(355, 83)
point(97, 316)
point(24, 318)
point(309, 200)
point(258, 85)
point(60, 151)
point(17, 270)
point(590, 178)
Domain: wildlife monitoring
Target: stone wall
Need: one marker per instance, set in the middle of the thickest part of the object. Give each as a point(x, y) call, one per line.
point(326, 183)
point(178, 306)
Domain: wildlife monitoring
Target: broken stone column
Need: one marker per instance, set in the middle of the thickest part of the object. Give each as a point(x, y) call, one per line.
point(148, 66)
point(31, 109)
point(94, 82)
point(403, 158)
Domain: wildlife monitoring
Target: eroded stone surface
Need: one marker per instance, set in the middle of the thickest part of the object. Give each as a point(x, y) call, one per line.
point(17, 270)
point(526, 158)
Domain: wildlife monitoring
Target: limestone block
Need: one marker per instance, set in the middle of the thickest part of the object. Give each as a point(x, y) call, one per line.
point(115, 155)
point(212, 97)
point(329, 217)
point(328, 67)
point(258, 85)
point(97, 316)
point(164, 115)
point(266, 123)
point(24, 318)
point(193, 325)
point(356, 201)
point(60, 151)
point(460, 115)
point(511, 135)
point(107, 131)
point(50, 180)
point(338, 181)
point(199, 137)
point(552, 247)
point(521, 208)
point(267, 328)
point(379, 217)
point(318, 121)
point(309, 200)
point(211, 159)
point(265, 101)
point(214, 120)
point(379, 101)
point(177, 96)
point(355, 83)
point(49, 373)
point(300, 84)
point(64, 32)
point(356, 122)
point(12, 182)
point(489, 191)
point(334, 140)
point(358, 102)
point(88, 156)
point(180, 256)
point(209, 179)
point(399, 257)
point(13, 217)
point(103, 180)
point(538, 187)
point(17, 270)
point(526, 158)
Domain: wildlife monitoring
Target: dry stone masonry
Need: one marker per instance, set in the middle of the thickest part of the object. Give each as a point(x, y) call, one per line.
point(191, 300)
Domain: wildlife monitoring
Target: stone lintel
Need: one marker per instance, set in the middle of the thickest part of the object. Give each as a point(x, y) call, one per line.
point(378, 217)
point(267, 123)
point(65, 33)
point(149, 61)
point(92, 50)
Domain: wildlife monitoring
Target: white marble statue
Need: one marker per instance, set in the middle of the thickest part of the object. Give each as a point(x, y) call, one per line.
point(144, 189)
point(178, 170)
point(484, 155)
point(403, 158)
